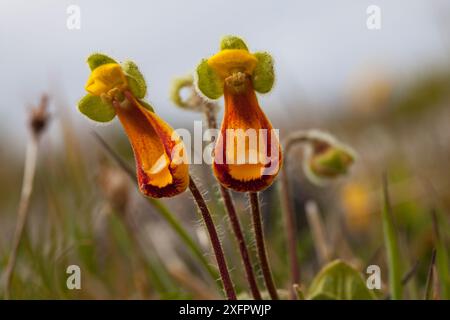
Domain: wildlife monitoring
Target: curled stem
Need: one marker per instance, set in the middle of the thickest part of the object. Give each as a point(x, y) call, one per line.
point(260, 244)
point(215, 241)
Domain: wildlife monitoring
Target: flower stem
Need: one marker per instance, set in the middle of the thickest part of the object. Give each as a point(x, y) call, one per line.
point(262, 253)
point(234, 220)
point(291, 230)
point(22, 214)
point(288, 213)
point(215, 241)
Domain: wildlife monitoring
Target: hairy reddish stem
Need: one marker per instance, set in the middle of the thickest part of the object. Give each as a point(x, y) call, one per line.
point(215, 241)
point(260, 244)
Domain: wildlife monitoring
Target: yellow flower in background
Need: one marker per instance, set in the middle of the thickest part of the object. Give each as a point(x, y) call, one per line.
point(355, 198)
point(247, 153)
point(117, 89)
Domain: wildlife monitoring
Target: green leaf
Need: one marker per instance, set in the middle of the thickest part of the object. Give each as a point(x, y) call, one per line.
point(146, 105)
point(232, 42)
point(391, 244)
point(135, 79)
point(208, 82)
point(264, 75)
point(339, 281)
point(97, 59)
point(96, 109)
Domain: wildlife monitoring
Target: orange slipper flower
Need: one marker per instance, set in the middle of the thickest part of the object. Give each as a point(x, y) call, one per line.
point(160, 156)
point(247, 154)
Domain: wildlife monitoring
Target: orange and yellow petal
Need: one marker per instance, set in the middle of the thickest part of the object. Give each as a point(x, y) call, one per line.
point(246, 158)
point(159, 152)
point(105, 78)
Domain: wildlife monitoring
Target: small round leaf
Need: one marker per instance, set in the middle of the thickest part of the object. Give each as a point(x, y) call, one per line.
point(95, 109)
point(263, 75)
point(339, 281)
point(208, 82)
point(135, 79)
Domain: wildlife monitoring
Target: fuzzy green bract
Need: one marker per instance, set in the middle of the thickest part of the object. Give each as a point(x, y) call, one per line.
point(97, 59)
point(96, 109)
point(264, 74)
point(232, 42)
point(339, 281)
point(208, 81)
point(135, 79)
point(334, 161)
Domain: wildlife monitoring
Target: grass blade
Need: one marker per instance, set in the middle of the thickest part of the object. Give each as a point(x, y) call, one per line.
point(430, 277)
point(442, 265)
point(391, 244)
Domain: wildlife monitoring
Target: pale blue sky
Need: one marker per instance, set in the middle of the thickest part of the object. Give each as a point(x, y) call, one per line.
point(318, 45)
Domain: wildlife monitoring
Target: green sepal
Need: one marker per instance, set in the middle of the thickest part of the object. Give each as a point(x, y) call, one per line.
point(232, 42)
point(97, 59)
point(264, 75)
point(96, 109)
point(136, 81)
point(146, 105)
point(339, 281)
point(208, 82)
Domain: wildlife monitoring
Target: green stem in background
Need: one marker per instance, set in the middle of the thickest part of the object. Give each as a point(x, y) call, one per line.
point(215, 241)
point(391, 244)
point(22, 214)
point(234, 219)
point(289, 215)
point(430, 277)
point(260, 244)
point(38, 122)
point(410, 274)
point(441, 258)
point(163, 211)
point(182, 233)
point(132, 232)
